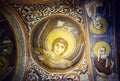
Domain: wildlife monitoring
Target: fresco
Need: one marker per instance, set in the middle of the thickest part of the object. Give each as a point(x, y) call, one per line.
point(55, 26)
point(100, 25)
point(7, 50)
point(12, 47)
point(103, 64)
point(58, 42)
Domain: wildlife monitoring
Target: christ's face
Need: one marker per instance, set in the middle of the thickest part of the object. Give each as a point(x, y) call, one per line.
point(59, 48)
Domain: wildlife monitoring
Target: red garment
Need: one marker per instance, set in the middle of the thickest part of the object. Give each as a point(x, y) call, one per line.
point(100, 66)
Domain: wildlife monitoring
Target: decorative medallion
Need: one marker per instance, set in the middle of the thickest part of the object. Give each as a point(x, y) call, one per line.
point(57, 43)
point(99, 26)
point(7, 49)
point(12, 46)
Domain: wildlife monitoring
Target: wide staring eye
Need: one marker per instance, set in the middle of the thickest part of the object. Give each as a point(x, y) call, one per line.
point(57, 44)
point(62, 46)
point(101, 50)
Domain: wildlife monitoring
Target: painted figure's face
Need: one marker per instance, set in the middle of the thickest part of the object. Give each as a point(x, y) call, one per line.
point(102, 52)
point(98, 23)
point(59, 48)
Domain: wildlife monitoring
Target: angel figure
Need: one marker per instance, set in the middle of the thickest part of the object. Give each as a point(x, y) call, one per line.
point(54, 58)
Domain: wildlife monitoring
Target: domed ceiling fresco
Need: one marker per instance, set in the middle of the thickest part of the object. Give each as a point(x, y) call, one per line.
point(58, 40)
point(61, 39)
